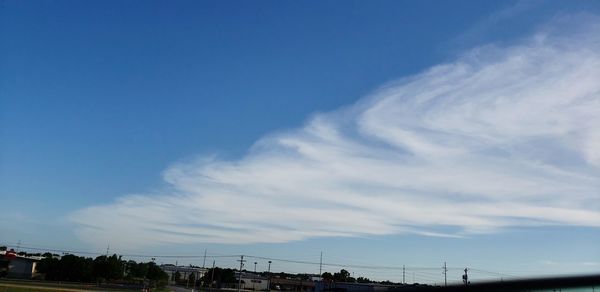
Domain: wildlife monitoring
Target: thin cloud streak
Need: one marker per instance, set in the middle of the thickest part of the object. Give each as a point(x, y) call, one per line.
point(502, 137)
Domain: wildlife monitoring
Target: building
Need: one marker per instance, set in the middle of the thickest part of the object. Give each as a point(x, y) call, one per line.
point(292, 284)
point(17, 266)
point(325, 286)
point(184, 272)
point(252, 281)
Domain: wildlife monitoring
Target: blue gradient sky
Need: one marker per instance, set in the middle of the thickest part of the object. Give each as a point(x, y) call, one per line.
point(99, 98)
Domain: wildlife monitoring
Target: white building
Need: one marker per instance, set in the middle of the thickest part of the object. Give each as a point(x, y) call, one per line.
point(251, 281)
point(184, 272)
point(16, 266)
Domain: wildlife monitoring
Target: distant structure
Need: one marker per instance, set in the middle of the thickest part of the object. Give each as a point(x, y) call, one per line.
point(252, 281)
point(184, 272)
point(355, 287)
point(17, 266)
point(292, 284)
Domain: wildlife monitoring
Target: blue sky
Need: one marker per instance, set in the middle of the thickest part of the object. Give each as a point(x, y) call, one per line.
point(381, 133)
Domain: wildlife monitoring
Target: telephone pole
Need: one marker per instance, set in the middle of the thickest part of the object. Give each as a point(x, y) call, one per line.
point(203, 270)
point(466, 277)
point(241, 260)
point(445, 275)
point(321, 267)
point(212, 274)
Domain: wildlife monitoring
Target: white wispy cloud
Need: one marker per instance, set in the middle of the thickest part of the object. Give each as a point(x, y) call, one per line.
point(502, 137)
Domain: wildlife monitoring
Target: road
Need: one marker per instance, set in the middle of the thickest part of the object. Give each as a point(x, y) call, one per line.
point(179, 289)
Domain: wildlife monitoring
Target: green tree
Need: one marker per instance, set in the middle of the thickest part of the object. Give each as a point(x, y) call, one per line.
point(327, 276)
point(342, 276)
point(219, 276)
point(137, 270)
point(50, 267)
point(75, 268)
point(192, 279)
point(157, 276)
point(211, 274)
point(108, 268)
point(82, 269)
point(227, 276)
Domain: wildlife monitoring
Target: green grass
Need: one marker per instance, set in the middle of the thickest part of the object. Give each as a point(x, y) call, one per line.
point(21, 289)
point(29, 286)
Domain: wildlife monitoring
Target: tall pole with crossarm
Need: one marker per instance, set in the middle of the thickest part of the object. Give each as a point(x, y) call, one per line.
point(240, 272)
point(445, 274)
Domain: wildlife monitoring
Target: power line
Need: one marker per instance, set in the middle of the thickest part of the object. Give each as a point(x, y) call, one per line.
point(404, 268)
point(237, 255)
point(344, 265)
point(494, 273)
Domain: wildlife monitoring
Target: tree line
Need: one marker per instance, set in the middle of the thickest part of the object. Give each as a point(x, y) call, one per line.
point(345, 277)
point(101, 269)
point(113, 268)
point(218, 277)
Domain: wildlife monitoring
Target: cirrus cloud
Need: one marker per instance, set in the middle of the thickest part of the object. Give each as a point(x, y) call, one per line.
point(502, 137)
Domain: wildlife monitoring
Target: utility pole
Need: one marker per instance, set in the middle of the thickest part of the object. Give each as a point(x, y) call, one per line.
point(204, 262)
point(466, 277)
point(403, 274)
point(107, 248)
point(212, 274)
point(321, 267)
point(241, 260)
point(445, 275)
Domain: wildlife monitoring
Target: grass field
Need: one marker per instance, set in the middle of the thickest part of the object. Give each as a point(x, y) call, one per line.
point(30, 286)
point(23, 289)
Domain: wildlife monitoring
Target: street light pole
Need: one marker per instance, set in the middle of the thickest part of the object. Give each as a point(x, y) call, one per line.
point(254, 282)
point(269, 277)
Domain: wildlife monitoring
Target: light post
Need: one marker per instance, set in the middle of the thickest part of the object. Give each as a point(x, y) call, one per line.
point(269, 277)
point(254, 282)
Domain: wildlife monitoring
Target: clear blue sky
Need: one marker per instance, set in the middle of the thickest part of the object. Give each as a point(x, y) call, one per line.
point(101, 100)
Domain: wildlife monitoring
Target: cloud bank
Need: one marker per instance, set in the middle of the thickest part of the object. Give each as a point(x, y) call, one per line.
point(502, 137)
